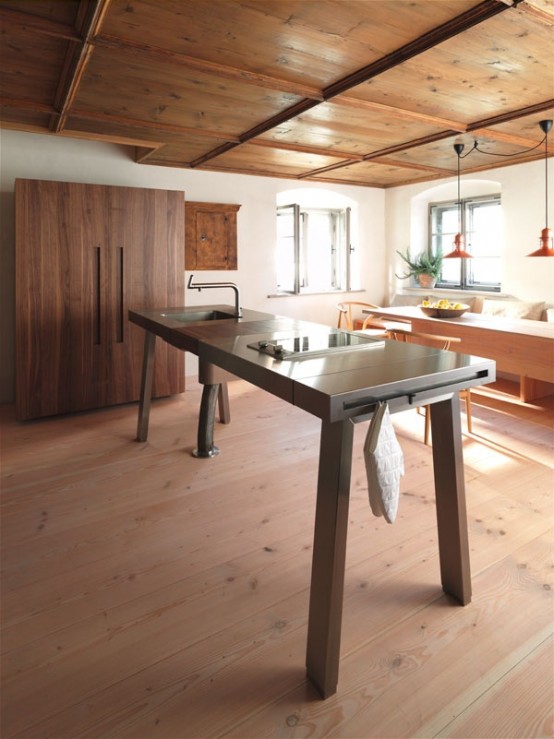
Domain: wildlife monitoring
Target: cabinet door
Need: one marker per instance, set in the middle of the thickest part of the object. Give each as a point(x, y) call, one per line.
point(210, 235)
point(146, 271)
point(60, 357)
point(85, 254)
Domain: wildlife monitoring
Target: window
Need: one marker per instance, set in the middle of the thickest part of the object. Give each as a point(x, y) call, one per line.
point(482, 229)
point(313, 249)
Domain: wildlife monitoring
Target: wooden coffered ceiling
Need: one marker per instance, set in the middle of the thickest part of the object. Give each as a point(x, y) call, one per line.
point(363, 92)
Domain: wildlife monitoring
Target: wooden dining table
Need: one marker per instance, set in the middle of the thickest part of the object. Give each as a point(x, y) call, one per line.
point(520, 347)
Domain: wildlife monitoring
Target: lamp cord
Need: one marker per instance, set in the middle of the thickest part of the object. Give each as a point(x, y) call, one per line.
point(546, 178)
point(475, 147)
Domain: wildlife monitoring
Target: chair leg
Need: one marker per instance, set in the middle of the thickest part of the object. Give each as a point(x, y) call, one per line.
point(427, 412)
point(468, 410)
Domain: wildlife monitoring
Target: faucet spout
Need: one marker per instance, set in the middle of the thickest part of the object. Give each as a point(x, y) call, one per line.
point(207, 285)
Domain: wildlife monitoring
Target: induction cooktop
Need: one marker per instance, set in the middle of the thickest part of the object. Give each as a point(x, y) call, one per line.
point(314, 345)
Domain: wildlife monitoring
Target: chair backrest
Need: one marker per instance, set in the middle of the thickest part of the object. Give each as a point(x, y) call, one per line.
point(346, 312)
point(416, 337)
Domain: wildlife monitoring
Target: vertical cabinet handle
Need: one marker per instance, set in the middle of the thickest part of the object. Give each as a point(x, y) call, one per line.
point(97, 296)
point(118, 296)
point(119, 299)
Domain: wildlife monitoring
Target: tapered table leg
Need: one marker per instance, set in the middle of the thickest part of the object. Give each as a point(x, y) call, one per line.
point(223, 403)
point(206, 446)
point(331, 522)
point(146, 386)
point(450, 497)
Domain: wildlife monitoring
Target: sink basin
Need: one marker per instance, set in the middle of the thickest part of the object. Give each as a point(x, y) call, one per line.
point(199, 315)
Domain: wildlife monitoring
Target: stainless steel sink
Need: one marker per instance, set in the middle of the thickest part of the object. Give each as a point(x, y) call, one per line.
point(199, 315)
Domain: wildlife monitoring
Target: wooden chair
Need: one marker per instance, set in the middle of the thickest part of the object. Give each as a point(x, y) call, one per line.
point(346, 312)
point(437, 342)
point(373, 324)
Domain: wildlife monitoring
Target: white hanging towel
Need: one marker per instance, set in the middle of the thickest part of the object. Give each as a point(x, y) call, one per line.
point(384, 462)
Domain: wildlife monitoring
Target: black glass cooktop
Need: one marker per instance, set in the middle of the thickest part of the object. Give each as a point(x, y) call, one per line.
point(300, 347)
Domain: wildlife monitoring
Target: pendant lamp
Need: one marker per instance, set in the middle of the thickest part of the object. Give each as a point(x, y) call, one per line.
point(547, 247)
point(459, 251)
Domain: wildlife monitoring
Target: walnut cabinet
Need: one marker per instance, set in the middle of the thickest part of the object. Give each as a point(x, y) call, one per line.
point(85, 254)
point(210, 235)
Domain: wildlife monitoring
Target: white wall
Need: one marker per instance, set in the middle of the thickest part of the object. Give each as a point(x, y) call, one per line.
point(396, 212)
point(25, 155)
point(522, 188)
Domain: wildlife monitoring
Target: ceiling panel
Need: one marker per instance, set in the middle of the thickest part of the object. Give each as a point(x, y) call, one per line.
point(357, 91)
point(350, 129)
point(171, 94)
point(373, 174)
point(30, 72)
point(257, 160)
point(314, 42)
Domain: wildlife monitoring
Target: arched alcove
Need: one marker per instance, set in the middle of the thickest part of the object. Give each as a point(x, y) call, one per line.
point(311, 197)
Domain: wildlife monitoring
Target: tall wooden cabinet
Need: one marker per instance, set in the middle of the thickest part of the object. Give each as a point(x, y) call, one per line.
point(85, 254)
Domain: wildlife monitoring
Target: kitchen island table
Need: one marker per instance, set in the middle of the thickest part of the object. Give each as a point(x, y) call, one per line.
point(340, 377)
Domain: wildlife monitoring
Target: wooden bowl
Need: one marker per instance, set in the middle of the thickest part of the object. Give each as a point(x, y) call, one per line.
point(444, 312)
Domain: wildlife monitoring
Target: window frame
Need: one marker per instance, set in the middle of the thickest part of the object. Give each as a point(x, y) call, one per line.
point(341, 250)
point(468, 206)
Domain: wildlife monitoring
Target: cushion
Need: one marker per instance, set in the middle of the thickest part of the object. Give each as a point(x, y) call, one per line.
point(513, 309)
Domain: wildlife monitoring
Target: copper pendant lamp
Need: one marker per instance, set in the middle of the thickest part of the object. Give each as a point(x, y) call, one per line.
point(458, 252)
point(547, 246)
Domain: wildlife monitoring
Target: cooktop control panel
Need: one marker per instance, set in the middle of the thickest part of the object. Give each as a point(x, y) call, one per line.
point(311, 345)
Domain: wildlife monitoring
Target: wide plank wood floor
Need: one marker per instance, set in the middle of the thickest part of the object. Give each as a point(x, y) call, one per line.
point(147, 594)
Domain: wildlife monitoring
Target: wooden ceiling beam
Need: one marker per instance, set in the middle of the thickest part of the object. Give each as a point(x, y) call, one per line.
point(389, 150)
point(413, 144)
point(220, 70)
point(328, 168)
point(479, 13)
point(472, 17)
point(89, 18)
point(264, 127)
point(511, 115)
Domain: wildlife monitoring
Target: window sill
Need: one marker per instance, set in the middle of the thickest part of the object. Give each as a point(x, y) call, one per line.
point(309, 294)
point(453, 291)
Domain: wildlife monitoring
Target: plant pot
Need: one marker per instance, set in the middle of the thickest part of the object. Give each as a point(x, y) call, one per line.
point(426, 280)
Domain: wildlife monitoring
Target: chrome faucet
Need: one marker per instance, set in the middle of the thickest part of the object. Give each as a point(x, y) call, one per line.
point(202, 285)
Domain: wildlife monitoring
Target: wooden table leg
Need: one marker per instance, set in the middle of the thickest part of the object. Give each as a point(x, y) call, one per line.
point(450, 497)
point(331, 522)
point(146, 385)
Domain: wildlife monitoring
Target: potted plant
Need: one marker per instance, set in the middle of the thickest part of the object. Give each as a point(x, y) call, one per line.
point(425, 267)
